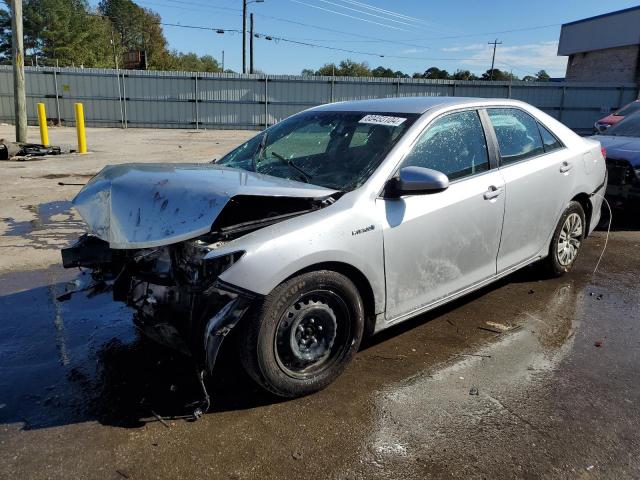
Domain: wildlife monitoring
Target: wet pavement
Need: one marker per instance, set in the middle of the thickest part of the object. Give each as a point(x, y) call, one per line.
point(527, 378)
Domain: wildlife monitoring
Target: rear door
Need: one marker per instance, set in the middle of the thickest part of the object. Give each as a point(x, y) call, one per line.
point(538, 173)
point(440, 243)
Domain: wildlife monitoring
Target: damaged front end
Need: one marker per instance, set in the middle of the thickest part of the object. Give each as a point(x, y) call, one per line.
point(154, 234)
point(175, 291)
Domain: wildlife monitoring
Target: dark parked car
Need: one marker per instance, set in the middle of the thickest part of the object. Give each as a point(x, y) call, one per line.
point(622, 145)
point(617, 116)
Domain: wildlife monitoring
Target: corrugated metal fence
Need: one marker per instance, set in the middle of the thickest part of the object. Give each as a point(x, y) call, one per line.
point(132, 98)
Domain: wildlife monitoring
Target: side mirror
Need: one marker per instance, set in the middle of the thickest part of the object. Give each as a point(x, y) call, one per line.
point(417, 180)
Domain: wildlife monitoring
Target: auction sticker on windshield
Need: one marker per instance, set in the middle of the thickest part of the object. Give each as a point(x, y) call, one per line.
point(382, 120)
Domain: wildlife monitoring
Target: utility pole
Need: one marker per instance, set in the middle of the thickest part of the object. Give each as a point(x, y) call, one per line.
point(244, 32)
point(19, 93)
point(222, 61)
point(251, 43)
point(495, 43)
point(244, 36)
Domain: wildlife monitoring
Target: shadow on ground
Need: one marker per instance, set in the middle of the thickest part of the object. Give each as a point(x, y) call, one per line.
point(64, 362)
point(71, 361)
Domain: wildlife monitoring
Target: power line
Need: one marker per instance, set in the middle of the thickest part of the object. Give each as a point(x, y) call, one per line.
point(382, 10)
point(315, 45)
point(367, 13)
point(293, 22)
point(349, 16)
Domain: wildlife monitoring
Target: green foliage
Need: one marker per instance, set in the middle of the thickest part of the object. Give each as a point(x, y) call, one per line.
point(62, 30)
point(542, 76)
point(68, 32)
point(499, 75)
point(463, 75)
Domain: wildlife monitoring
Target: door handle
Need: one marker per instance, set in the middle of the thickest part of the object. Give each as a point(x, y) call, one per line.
point(493, 192)
point(565, 167)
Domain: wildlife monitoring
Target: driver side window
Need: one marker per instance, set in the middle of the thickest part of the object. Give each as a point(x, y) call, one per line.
point(453, 144)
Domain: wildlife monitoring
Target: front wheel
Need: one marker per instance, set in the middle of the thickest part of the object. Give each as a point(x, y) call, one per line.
point(302, 335)
point(566, 241)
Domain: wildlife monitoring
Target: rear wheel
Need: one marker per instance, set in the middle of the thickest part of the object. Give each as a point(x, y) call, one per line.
point(566, 241)
point(303, 334)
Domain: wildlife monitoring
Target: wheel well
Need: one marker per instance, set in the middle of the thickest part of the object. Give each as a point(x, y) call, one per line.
point(361, 282)
point(583, 200)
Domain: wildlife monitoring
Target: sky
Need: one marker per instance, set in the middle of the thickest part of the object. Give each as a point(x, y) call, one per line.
point(413, 35)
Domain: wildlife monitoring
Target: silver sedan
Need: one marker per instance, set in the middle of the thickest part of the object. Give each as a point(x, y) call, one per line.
point(338, 222)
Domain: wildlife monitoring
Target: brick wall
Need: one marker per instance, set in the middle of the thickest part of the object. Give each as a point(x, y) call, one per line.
point(620, 64)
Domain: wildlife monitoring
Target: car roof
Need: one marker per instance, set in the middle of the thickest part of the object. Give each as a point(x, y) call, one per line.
point(404, 104)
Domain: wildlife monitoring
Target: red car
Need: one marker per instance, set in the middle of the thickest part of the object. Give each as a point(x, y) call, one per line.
point(613, 118)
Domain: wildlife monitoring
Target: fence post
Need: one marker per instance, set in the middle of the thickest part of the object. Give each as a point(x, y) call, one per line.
point(195, 87)
point(55, 86)
point(124, 102)
point(564, 91)
point(120, 98)
point(333, 82)
point(454, 89)
point(266, 101)
point(620, 97)
point(509, 90)
point(398, 87)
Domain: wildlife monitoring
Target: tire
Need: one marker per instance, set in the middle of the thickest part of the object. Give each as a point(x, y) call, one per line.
point(562, 253)
point(301, 336)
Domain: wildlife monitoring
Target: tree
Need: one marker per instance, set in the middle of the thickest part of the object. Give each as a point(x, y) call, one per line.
point(433, 73)
point(542, 76)
point(463, 75)
point(60, 30)
point(383, 72)
point(498, 75)
point(350, 68)
point(138, 28)
point(308, 72)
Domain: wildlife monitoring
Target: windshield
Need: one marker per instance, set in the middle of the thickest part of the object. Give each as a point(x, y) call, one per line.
point(628, 109)
point(629, 127)
point(338, 150)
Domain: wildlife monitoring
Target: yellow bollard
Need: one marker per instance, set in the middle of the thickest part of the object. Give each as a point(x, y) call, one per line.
point(82, 137)
point(42, 121)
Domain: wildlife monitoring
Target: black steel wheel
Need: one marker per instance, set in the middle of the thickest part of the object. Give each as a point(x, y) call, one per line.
point(303, 334)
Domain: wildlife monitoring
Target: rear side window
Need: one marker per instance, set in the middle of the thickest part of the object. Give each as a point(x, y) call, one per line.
point(517, 133)
point(453, 144)
point(549, 140)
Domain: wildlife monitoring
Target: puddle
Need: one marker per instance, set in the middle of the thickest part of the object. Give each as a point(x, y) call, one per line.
point(54, 224)
point(81, 359)
point(478, 388)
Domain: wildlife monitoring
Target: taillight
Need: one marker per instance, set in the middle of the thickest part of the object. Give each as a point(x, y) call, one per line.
point(604, 152)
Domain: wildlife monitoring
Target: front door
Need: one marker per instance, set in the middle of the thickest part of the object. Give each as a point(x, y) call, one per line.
point(440, 243)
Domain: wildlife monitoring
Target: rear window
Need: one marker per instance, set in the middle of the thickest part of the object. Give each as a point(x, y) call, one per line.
point(549, 140)
point(517, 134)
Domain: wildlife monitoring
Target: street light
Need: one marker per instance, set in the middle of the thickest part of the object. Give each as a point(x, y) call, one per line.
point(244, 31)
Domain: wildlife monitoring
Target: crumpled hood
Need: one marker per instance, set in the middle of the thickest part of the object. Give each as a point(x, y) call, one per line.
point(148, 205)
point(621, 148)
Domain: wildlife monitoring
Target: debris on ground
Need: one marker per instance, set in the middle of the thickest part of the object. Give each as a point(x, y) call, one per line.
point(598, 343)
point(473, 391)
point(22, 151)
point(499, 328)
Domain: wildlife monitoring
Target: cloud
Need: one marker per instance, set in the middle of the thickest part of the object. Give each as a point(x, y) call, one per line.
point(466, 48)
point(523, 59)
point(414, 50)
